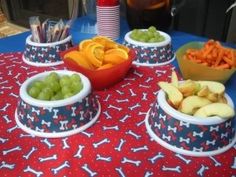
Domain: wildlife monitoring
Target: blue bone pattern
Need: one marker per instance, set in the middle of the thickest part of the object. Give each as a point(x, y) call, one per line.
point(48, 54)
point(152, 55)
point(58, 119)
point(201, 138)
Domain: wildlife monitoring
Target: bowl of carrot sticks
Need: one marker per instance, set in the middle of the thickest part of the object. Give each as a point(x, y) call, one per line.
point(208, 60)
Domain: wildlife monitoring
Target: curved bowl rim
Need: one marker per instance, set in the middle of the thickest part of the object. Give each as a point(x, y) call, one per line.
point(40, 103)
point(161, 98)
point(30, 42)
point(154, 44)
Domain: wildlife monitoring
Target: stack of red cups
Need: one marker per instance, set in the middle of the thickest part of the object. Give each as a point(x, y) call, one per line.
point(108, 18)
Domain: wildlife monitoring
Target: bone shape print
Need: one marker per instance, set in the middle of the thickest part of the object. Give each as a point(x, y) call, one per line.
point(43, 159)
point(59, 168)
point(78, 153)
point(88, 170)
point(143, 148)
point(106, 140)
point(17, 148)
point(148, 173)
point(107, 159)
point(122, 141)
point(5, 165)
point(202, 170)
point(120, 171)
point(27, 156)
point(135, 162)
point(111, 128)
point(174, 169)
point(156, 157)
point(31, 170)
point(187, 161)
point(89, 135)
point(130, 132)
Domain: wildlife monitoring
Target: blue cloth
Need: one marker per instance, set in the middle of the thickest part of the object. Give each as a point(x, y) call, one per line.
point(17, 43)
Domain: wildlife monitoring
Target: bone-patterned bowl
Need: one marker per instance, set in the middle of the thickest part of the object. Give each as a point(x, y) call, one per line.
point(151, 54)
point(58, 118)
point(45, 54)
point(189, 135)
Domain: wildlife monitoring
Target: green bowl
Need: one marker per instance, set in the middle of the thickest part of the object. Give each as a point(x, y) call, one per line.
point(195, 71)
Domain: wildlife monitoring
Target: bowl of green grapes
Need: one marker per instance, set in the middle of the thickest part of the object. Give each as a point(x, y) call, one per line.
point(152, 47)
point(56, 104)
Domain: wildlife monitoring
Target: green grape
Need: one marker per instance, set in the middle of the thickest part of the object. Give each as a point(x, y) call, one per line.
point(75, 78)
point(55, 76)
point(150, 35)
point(67, 95)
point(76, 87)
point(57, 96)
point(65, 80)
point(152, 29)
point(50, 78)
point(48, 91)
point(34, 91)
point(43, 96)
point(152, 40)
point(39, 84)
point(55, 86)
point(65, 89)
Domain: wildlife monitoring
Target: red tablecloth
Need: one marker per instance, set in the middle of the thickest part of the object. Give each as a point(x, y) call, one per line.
point(116, 145)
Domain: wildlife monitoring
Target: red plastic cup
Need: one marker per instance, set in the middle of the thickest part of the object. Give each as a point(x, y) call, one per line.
point(108, 2)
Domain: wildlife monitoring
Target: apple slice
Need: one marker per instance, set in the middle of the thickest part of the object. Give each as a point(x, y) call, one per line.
point(215, 109)
point(191, 103)
point(189, 88)
point(213, 86)
point(174, 95)
point(174, 79)
point(204, 91)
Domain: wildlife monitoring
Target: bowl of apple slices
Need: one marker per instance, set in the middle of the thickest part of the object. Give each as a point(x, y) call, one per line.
point(194, 118)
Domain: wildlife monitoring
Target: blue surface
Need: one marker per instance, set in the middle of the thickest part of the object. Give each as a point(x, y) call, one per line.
point(17, 43)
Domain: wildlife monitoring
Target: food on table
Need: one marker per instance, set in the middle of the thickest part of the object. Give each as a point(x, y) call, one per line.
point(214, 55)
point(191, 103)
point(174, 95)
point(220, 109)
point(55, 87)
point(149, 36)
point(197, 98)
point(98, 53)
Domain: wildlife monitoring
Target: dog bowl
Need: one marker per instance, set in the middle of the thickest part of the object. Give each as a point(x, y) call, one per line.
point(187, 134)
point(45, 54)
point(151, 54)
point(58, 118)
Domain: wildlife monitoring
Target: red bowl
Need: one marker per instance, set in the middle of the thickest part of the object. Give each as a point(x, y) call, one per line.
point(101, 79)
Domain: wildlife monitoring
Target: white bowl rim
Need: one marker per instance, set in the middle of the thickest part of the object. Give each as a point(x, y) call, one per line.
point(30, 42)
point(152, 44)
point(161, 98)
point(86, 90)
